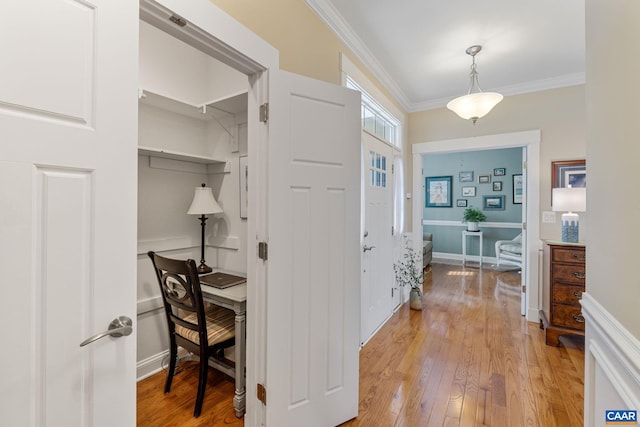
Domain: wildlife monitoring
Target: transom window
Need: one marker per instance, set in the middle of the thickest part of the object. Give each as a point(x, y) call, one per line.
point(375, 119)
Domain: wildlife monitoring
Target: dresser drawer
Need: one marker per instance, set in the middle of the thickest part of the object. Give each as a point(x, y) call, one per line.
point(576, 256)
point(569, 273)
point(565, 294)
point(567, 316)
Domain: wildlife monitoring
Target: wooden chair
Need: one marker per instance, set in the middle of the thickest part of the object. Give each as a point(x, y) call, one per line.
point(204, 331)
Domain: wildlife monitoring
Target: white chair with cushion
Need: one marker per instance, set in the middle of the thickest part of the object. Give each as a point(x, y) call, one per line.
point(509, 252)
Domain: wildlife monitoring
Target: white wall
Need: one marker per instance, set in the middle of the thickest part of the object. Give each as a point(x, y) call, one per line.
point(172, 69)
point(612, 379)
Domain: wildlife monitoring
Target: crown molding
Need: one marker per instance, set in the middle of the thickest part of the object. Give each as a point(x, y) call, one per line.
point(517, 89)
point(332, 18)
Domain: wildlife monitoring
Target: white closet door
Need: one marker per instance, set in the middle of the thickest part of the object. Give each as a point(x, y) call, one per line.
point(313, 307)
point(68, 113)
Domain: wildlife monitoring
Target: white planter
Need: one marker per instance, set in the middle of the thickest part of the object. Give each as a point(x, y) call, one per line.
point(472, 226)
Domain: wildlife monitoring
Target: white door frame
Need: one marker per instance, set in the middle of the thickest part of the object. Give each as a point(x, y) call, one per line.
point(528, 139)
point(214, 32)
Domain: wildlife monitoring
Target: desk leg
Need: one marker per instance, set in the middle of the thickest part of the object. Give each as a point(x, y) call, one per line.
point(239, 400)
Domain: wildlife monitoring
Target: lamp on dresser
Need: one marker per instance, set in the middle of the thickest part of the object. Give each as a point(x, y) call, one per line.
point(569, 200)
point(203, 204)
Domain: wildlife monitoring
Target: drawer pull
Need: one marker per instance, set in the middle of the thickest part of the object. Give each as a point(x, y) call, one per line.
point(577, 294)
point(579, 255)
point(579, 274)
point(578, 318)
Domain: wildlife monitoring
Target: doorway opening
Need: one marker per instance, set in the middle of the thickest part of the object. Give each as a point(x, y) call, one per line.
point(530, 142)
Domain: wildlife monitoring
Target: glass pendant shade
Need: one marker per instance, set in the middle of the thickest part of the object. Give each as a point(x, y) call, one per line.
point(474, 105)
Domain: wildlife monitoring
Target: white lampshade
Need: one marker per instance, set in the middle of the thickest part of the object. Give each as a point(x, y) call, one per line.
point(474, 105)
point(569, 199)
point(204, 202)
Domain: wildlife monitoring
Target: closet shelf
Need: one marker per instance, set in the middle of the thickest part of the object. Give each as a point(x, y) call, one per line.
point(176, 155)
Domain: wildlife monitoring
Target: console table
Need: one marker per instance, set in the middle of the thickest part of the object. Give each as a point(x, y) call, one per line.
point(466, 233)
point(564, 283)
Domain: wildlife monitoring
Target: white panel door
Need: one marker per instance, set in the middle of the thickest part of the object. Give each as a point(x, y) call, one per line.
point(313, 283)
point(68, 113)
point(525, 265)
point(378, 296)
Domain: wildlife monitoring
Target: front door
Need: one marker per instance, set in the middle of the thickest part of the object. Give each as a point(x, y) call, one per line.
point(68, 114)
point(379, 295)
point(313, 284)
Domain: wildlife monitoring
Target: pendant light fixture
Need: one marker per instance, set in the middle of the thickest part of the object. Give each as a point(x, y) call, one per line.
point(476, 103)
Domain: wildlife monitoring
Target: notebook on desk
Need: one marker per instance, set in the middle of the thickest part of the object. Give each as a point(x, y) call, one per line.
point(222, 280)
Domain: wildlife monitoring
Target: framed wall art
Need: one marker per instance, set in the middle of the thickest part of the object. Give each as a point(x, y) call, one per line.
point(466, 176)
point(484, 179)
point(497, 185)
point(461, 203)
point(517, 189)
point(468, 191)
point(569, 173)
point(438, 191)
point(244, 186)
point(493, 203)
point(499, 172)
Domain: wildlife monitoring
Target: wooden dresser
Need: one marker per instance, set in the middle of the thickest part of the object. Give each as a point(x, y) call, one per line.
point(564, 282)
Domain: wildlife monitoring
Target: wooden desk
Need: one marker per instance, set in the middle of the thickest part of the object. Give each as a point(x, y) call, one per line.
point(234, 298)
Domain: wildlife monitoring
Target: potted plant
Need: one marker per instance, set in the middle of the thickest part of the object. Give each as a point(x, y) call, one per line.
point(409, 273)
point(472, 217)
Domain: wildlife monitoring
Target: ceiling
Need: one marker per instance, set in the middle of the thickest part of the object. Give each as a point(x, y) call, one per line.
point(416, 48)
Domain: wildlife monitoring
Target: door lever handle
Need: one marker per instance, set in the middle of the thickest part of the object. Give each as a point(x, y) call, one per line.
point(120, 326)
point(366, 248)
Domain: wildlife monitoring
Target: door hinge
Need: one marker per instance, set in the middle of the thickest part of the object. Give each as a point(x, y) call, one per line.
point(263, 250)
point(392, 229)
point(524, 289)
point(524, 225)
point(524, 165)
point(264, 112)
point(393, 168)
point(262, 394)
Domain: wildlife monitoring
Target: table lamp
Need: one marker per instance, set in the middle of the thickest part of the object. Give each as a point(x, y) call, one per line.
point(203, 203)
point(569, 200)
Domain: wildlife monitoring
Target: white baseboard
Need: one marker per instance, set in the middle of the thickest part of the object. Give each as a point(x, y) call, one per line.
point(151, 365)
point(612, 364)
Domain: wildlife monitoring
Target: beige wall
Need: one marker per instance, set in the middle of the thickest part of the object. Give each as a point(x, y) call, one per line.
point(613, 152)
point(559, 114)
point(307, 46)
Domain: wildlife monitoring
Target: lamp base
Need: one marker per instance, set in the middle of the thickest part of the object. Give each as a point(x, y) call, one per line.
point(570, 228)
point(204, 268)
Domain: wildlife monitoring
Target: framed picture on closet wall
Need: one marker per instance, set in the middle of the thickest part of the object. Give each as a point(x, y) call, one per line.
point(244, 186)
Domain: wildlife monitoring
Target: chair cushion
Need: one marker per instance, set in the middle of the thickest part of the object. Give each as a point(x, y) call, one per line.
point(506, 247)
point(220, 325)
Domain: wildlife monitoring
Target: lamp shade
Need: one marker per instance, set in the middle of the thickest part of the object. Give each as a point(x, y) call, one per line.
point(474, 105)
point(204, 202)
point(569, 199)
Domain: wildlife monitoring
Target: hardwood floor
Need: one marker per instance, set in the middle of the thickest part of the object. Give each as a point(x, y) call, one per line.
point(467, 359)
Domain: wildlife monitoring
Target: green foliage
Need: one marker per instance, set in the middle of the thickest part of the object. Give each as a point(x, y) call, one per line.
point(473, 215)
point(409, 270)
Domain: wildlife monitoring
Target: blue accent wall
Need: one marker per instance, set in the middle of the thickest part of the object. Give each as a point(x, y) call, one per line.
point(448, 239)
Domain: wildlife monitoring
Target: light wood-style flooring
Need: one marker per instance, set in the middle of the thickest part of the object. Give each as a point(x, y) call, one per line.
point(467, 359)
